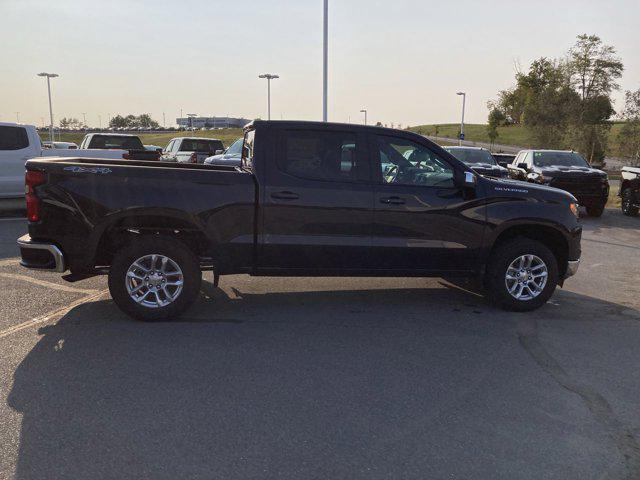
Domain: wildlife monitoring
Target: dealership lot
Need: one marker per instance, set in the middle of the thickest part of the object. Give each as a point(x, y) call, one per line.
point(325, 378)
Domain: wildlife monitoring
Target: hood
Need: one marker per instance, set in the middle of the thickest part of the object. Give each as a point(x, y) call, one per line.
point(562, 171)
point(517, 188)
point(489, 169)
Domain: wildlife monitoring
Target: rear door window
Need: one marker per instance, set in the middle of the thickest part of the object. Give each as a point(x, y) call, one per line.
point(323, 155)
point(13, 138)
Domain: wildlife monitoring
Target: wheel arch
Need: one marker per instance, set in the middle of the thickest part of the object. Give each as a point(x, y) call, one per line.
point(119, 228)
point(550, 236)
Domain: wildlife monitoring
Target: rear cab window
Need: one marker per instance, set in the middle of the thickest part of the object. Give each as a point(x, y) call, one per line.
point(116, 142)
point(13, 138)
point(200, 146)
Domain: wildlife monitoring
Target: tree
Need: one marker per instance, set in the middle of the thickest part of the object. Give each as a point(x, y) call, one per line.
point(496, 118)
point(629, 135)
point(70, 123)
point(593, 69)
point(131, 121)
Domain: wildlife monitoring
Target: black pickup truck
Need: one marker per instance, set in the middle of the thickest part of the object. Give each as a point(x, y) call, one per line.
point(566, 170)
point(310, 199)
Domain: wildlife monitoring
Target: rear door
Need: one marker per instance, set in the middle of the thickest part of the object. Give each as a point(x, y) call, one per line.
point(317, 202)
point(422, 220)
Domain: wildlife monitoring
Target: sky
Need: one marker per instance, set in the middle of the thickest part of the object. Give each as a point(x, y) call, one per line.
point(402, 60)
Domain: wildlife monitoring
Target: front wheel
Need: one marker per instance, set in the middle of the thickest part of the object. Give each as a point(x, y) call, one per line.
point(522, 274)
point(154, 278)
point(595, 211)
point(628, 205)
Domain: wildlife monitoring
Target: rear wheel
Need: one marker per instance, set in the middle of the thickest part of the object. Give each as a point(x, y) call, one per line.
point(595, 210)
point(522, 274)
point(154, 278)
point(628, 203)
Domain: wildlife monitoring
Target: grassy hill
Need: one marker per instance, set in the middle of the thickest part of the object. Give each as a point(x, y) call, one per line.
point(227, 135)
point(515, 135)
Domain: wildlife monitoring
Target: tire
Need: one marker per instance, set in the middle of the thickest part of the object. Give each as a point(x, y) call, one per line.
point(595, 210)
point(499, 263)
point(627, 203)
point(171, 298)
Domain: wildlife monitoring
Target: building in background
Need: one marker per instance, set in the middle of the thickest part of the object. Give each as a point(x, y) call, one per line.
point(212, 122)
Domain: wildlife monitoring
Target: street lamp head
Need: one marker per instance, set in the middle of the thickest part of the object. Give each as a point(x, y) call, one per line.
point(268, 76)
point(362, 111)
point(461, 93)
point(50, 75)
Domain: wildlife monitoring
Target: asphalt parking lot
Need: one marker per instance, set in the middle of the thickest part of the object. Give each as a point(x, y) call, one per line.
point(325, 378)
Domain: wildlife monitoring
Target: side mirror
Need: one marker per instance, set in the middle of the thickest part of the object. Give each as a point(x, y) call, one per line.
point(218, 152)
point(523, 166)
point(470, 180)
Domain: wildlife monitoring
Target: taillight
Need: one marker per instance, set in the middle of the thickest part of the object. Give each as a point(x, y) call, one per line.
point(32, 179)
point(194, 157)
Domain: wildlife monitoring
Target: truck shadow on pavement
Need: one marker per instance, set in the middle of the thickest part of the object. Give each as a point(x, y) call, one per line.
point(411, 383)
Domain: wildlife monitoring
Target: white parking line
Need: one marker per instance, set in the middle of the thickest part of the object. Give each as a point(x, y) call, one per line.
point(51, 315)
point(44, 283)
point(9, 261)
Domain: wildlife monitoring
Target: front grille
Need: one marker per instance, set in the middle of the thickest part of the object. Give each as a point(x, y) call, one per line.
point(579, 186)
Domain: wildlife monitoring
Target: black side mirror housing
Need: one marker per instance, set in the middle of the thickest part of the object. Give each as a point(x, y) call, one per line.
point(523, 166)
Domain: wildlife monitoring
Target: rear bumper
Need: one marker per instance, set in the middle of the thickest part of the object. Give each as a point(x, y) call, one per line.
point(572, 268)
point(40, 255)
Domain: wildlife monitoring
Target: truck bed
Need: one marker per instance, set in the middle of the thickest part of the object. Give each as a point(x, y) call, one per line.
point(83, 199)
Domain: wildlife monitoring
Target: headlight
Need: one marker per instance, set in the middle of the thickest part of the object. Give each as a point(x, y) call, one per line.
point(573, 206)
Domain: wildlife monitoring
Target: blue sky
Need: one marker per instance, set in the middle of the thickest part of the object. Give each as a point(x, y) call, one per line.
point(403, 60)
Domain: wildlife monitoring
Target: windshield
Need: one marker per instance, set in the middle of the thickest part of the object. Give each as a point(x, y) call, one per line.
point(236, 147)
point(472, 155)
point(562, 159)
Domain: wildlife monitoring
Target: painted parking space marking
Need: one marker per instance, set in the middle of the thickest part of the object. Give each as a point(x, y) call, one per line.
point(44, 283)
point(51, 315)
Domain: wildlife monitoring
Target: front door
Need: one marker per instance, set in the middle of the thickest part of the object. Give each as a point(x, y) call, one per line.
point(422, 220)
point(317, 203)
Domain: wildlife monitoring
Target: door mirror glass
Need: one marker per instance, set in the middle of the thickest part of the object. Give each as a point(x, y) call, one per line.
point(522, 165)
point(469, 180)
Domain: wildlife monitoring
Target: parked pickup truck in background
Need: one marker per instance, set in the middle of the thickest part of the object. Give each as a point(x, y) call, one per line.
point(230, 157)
point(191, 149)
point(630, 190)
point(130, 145)
point(18, 143)
point(565, 170)
point(310, 199)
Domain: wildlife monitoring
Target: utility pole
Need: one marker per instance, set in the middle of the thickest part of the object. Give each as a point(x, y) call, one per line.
point(325, 59)
point(269, 77)
point(464, 98)
point(49, 76)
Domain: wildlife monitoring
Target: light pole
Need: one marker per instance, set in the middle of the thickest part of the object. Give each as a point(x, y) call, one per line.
point(84, 119)
point(464, 98)
point(365, 115)
point(100, 121)
point(191, 115)
point(49, 77)
point(17, 117)
point(269, 77)
point(325, 59)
